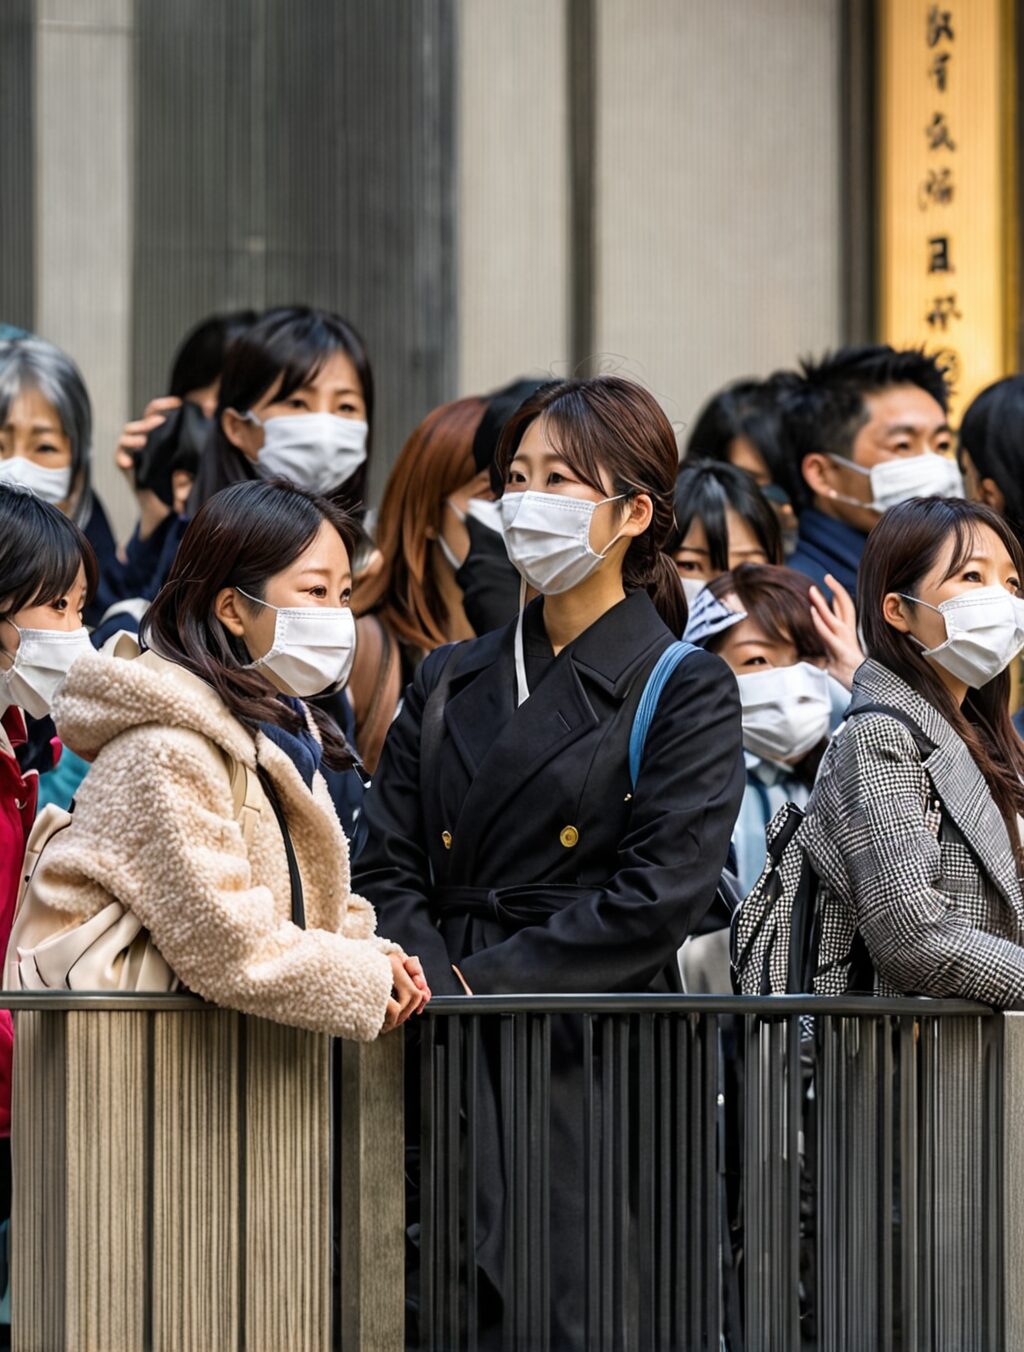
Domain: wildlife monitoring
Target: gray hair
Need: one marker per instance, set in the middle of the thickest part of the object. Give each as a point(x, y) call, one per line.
point(33, 363)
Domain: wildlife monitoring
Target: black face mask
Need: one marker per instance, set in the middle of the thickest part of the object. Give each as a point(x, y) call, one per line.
point(175, 445)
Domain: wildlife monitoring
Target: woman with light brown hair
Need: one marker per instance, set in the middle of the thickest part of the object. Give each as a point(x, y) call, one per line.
point(412, 603)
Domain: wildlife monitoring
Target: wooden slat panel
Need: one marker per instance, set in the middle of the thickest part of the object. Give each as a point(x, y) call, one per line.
point(39, 1216)
point(105, 1182)
point(288, 1190)
point(196, 1181)
point(372, 1173)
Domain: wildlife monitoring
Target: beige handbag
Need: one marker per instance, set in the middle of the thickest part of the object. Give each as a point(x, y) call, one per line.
point(111, 951)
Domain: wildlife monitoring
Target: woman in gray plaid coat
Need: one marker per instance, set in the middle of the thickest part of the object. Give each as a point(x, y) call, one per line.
point(914, 827)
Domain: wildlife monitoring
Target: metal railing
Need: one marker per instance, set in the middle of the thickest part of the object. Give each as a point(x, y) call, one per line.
point(772, 1175)
point(634, 1172)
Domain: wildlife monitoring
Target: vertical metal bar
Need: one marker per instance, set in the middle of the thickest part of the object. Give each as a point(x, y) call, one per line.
point(909, 1184)
point(670, 1164)
point(797, 1157)
point(646, 1153)
point(452, 1181)
point(593, 1218)
point(710, 1212)
point(685, 1113)
point(624, 1257)
point(521, 1293)
point(511, 1285)
point(887, 1109)
point(428, 1174)
point(544, 1151)
point(472, 1184)
point(926, 1233)
point(753, 1196)
point(607, 1067)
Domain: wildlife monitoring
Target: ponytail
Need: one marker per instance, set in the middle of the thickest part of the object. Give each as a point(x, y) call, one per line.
point(665, 591)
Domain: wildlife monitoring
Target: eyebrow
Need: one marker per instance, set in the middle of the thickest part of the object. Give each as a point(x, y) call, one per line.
point(318, 570)
point(692, 549)
point(911, 428)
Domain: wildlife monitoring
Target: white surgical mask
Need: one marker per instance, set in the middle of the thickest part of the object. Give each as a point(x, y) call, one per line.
point(313, 648)
point(786, 711)
point(488, 513)
point(314, 451)
point(52, 485)
point(42, 660)
point(548, 539)
point(692, 588)
point(984, 633)
point(917, 476)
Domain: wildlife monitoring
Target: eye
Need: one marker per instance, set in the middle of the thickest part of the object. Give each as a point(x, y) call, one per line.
point(346, 596)
point(516, 476)
point(555, 478)
point(295, 401)
point(688, 565)
point(972, 575)
point(319, 591)
point(349, 408)
point(755, 662)
point(47, 448)
point(60, 606)
point(1013, 585)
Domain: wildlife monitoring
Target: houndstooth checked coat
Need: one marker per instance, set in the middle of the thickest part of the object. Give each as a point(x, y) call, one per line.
point(915, 856)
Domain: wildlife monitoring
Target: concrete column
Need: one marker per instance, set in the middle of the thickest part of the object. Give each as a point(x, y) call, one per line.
point(83, 255)
point(513, 191)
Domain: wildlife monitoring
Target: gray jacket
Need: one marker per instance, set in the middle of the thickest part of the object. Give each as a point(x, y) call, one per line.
point(914, 856)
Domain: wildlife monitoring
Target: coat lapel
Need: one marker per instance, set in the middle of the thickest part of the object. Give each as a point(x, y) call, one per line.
point(957, 779)
point(505, 747)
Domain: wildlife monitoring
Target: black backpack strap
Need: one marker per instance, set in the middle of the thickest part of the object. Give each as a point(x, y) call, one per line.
point(294, 877)
point(924, 743)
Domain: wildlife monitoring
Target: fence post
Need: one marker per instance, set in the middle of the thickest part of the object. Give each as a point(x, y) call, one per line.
point(1013, 1177)
point(372, 1178)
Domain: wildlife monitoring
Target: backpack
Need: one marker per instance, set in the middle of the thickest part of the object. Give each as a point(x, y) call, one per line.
point(111, 951)
point(775, 934)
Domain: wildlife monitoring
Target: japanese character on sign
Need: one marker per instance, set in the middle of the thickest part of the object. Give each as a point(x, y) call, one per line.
point(938, 254)
point(940, 25)
point(938, 71)
point(943, 311)
point(937, 132)
point(937, 189)
point(949, 364)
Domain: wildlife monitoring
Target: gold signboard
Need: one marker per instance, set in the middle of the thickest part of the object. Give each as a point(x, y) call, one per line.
point(947, 249)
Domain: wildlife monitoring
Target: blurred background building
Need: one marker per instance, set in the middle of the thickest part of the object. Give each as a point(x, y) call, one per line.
point(687, 192)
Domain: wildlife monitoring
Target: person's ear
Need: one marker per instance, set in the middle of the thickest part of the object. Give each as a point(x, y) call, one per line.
point(226, 609)
point(641, 514)
point(992, 495)
point(894, 612)
point(244, 434)
point(819, 471)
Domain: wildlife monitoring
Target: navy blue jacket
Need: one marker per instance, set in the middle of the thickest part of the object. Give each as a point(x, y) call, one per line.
point(825, 545)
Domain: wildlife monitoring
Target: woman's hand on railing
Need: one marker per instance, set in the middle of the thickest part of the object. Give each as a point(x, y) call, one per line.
point(409, 993)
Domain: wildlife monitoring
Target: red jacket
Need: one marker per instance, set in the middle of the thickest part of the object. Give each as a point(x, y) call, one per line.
point(18, 796)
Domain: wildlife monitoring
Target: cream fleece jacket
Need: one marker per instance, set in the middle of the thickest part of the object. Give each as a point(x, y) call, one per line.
point(154, 827)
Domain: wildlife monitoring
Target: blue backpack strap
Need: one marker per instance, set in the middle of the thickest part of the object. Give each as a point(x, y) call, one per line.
point(656, 682)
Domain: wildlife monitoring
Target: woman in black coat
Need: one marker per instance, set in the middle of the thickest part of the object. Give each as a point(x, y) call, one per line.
point(515, 854)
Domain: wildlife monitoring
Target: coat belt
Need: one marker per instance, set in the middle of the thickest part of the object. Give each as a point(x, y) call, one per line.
point(513, 908)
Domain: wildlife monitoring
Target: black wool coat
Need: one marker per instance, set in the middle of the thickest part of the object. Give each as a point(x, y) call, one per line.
point(523, 854)
point(520, 851)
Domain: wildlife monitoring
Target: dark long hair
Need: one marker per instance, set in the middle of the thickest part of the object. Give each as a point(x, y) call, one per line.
point(901, 550)
point(289, 344)
point(751, 410)
point(241, 538)
point(992, 433)
point(201, 355)
point(41, 551)
point(707, 489)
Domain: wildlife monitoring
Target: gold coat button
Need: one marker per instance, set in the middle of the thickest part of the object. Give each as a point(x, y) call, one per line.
point(569, 836)
point(446, 839)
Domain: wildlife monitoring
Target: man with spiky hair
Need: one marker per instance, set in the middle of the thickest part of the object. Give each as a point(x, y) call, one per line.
point(868, 427)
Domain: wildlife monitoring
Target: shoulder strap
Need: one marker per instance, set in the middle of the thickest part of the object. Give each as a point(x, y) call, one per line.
point(924, 743)
point(656, 682)
point(432, 728)
point(294, 877)
point(246, 797)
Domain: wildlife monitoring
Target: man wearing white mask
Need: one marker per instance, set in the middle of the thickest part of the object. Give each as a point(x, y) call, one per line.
point(869, 428)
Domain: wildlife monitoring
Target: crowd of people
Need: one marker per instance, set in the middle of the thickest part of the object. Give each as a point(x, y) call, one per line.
point(551, 699)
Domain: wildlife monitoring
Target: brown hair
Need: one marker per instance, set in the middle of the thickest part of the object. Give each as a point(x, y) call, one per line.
point(614, 425)
point(900, 551)
point(436, 460)
point(778, 600)
point(241, 538)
